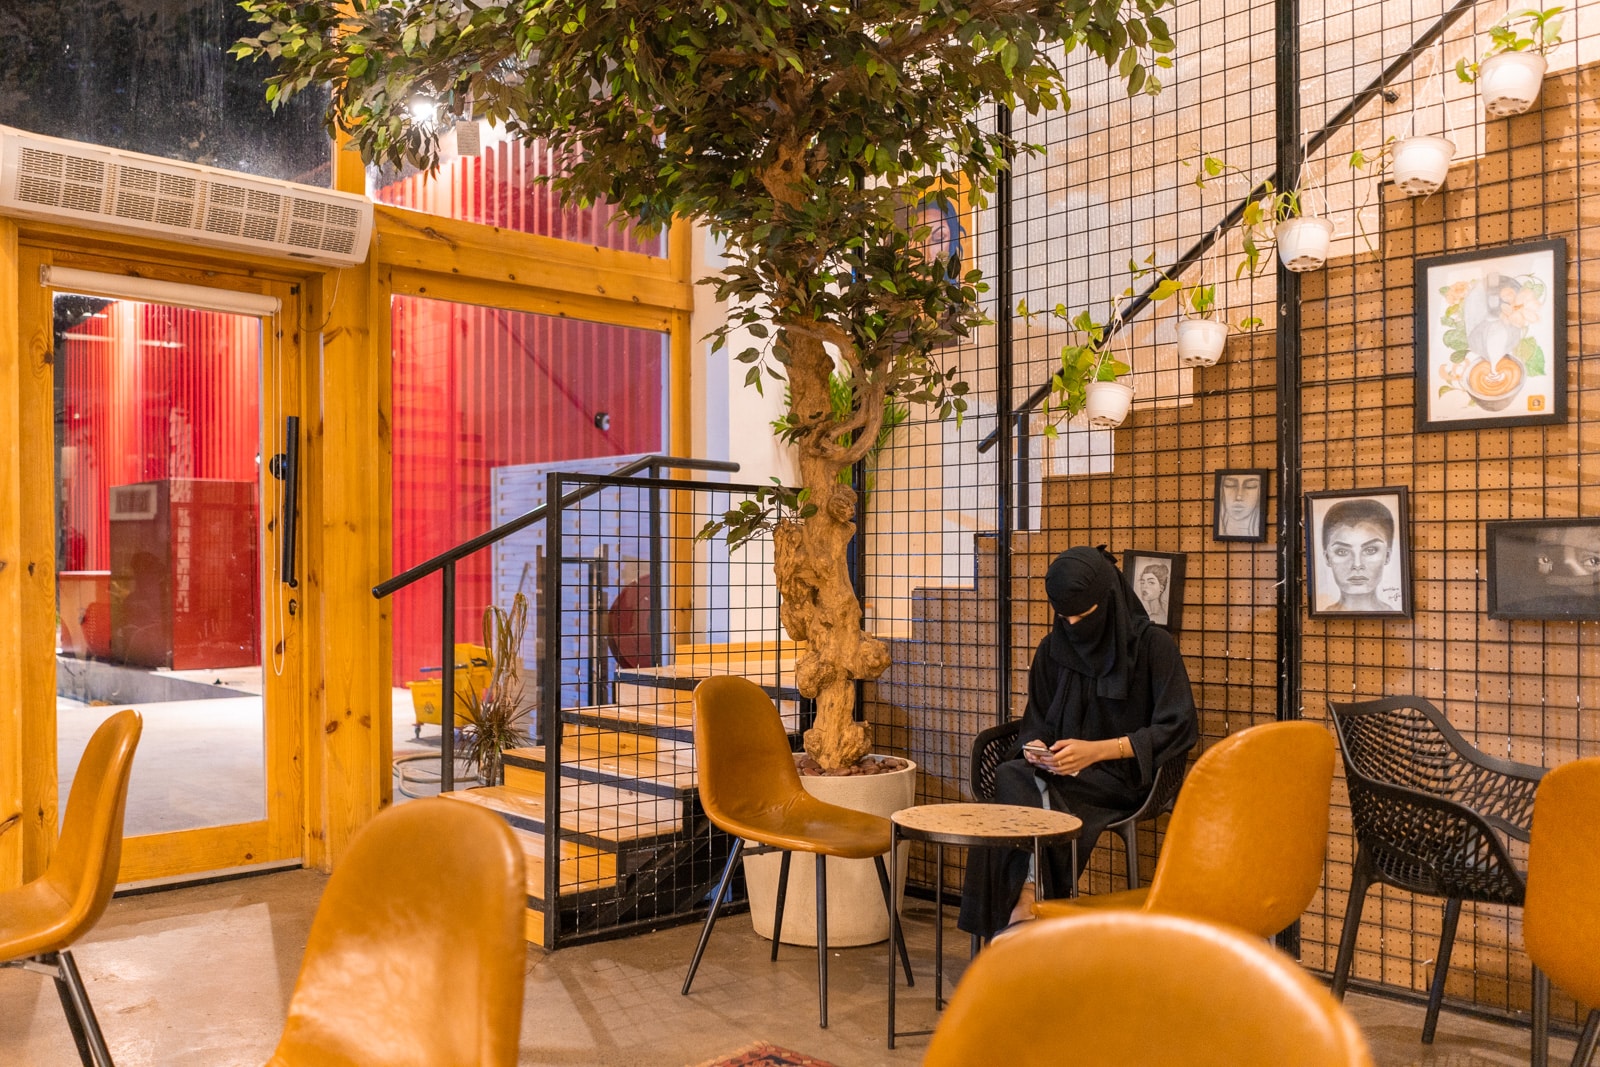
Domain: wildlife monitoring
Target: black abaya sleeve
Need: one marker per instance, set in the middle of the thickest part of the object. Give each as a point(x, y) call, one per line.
point(1044, 679)
point(1173, 727)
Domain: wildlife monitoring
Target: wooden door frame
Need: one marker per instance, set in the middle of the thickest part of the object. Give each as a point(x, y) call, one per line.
point(280, 836)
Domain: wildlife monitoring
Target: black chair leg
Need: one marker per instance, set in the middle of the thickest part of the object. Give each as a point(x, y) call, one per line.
point(80, 1013)
point(1539, 1055)
point(716, 905)
point(777, 914)
point(1587, 1040)
point(1360, 882)
point(1441, 967)
point(822, 940)
point(888, 899)
point(1130, 852)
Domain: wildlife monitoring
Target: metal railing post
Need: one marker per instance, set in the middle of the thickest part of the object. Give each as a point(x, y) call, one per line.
point(447, 672)
point(550, 710)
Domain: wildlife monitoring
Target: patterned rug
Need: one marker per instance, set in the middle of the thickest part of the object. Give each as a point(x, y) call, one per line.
point(762, 1054)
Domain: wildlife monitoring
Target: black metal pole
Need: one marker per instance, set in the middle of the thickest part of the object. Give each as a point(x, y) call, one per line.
point(657, 579)
point(1287, 74)
point(550, 709)
point(447, 674)
point(1003, 420)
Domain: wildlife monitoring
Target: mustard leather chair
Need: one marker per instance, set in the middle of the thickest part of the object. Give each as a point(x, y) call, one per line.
point(1247, 838)
point(1119, 988)
point(39, 921)
point(1561, 908)
point(416, 957)
point(749, 788)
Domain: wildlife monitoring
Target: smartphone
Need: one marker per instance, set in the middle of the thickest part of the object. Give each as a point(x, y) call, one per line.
point(1038, 748)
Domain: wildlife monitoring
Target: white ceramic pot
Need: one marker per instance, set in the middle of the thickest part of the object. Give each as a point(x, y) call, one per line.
point(1509, 82)
point(1107, 403)
point(1421, 163)
point(1303, 242)
point(856, 915)
point(1200, 342)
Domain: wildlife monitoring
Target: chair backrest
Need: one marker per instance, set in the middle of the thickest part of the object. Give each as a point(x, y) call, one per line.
point(990, 749)
point(743, 763)
point(1561, 911)
point(1121, 987)
point(1250, 830)
point(84, 867)
point(416, 957)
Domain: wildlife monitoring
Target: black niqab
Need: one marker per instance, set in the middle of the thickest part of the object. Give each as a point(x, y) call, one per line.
point(1104, 643)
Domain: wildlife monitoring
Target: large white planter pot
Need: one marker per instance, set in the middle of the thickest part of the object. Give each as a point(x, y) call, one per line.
point(1421, 163)
point(1107, 403)
point(1509, 82)
point(1303, 242)
point(856, 915)
point(1200, 342)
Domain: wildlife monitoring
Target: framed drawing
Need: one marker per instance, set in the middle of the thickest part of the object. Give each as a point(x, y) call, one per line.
point(1544, 569)
point(1239, 505)
point(1157, 580)
point(1491, 337)
point(1358, 552)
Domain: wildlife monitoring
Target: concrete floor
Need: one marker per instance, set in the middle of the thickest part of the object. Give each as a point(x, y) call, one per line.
point(203, 976)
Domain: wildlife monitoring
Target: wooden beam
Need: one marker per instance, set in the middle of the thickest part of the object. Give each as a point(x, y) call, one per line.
point(345, 522)
point(12, 752)
point(414, 240)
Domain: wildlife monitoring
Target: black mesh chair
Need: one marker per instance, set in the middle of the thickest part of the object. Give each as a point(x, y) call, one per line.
point(1432, 815)
point(989, 750)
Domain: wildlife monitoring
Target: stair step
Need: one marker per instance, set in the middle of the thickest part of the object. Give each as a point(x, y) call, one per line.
point(600, 818)
point(671, 722)
point(658, 775)
point(586, 741)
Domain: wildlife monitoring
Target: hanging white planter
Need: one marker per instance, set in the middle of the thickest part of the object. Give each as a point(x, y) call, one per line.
point(1420, 164)
point(1200, 342)
point(1303, 242)
point(1107, 403)
point(1509, 82)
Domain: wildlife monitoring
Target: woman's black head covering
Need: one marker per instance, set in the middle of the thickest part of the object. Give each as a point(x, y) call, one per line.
point(1104, 643)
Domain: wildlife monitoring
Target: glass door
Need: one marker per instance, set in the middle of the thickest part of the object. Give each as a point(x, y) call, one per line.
point(170, 596)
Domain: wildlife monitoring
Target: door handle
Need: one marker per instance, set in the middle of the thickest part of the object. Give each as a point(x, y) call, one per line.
point(285, 467)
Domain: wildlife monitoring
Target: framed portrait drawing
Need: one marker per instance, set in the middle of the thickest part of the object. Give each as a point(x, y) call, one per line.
point(1157, 580)
point(1358, 552)
point(1544, 569)
point(1491, 337)
point(1239, 505)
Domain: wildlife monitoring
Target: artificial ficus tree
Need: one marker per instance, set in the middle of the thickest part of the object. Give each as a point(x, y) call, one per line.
point(799, 131)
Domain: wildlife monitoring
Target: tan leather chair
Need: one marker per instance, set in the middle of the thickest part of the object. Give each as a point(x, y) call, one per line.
point(41, 919)
point(1561, 909)
point(1247, 838)
point(416, 957)
point(1119, 988)
point(750, 789)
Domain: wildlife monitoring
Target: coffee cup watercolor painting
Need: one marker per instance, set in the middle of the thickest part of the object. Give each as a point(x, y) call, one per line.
point(1491, 337)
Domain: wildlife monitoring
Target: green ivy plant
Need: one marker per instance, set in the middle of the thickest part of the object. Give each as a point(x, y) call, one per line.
point(799, 131)
point(1530, 29)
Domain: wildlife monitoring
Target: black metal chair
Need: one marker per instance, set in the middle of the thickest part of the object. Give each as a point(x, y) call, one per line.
point(989, 750)
point(1431, 816)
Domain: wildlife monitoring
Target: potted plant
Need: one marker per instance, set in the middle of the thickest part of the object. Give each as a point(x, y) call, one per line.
point(1202, 332)
point(1511, 72)
point(800, 132)
point(1418, 164)
point(1279, 217)
point(500, 711)
point(1088, 380)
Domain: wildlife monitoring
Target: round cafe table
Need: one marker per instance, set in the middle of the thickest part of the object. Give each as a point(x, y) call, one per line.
point(1002, 825)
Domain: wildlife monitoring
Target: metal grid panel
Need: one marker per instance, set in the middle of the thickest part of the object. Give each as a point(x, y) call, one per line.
point(1524, 690)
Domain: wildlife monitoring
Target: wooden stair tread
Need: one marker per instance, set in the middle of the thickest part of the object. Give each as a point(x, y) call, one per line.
point(669, 715)
point(608, 825)
point(660, 768)
point(588, 871)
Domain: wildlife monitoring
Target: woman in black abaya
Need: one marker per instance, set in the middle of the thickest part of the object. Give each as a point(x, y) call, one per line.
point(1109, 697)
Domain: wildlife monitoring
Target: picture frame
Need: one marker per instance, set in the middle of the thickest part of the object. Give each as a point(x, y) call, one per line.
point(1491, 337)
point(1162, 592)
point(1358, 553)
point(1239, 504)
point(1544, 569)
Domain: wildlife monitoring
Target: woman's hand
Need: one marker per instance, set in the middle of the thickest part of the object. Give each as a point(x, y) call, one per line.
point(1072, 756)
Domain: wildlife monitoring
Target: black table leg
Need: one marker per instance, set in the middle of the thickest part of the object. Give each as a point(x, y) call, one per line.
point(938, 934)
point(894, 917)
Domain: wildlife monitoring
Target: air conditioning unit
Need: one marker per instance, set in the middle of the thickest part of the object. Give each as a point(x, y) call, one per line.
point(107, 188)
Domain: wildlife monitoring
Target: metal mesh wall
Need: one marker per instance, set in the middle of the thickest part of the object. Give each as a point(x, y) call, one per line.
point(1524, 690)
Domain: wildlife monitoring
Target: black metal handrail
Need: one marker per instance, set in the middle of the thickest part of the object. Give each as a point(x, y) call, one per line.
point(1377, 87)
point(445, 563)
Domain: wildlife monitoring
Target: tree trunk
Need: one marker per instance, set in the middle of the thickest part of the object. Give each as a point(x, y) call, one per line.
point(819, 603)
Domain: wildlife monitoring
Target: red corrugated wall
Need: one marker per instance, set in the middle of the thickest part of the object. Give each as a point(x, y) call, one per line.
point(152, 392)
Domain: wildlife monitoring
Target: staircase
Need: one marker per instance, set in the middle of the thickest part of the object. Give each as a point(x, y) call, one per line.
point(635, 845)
